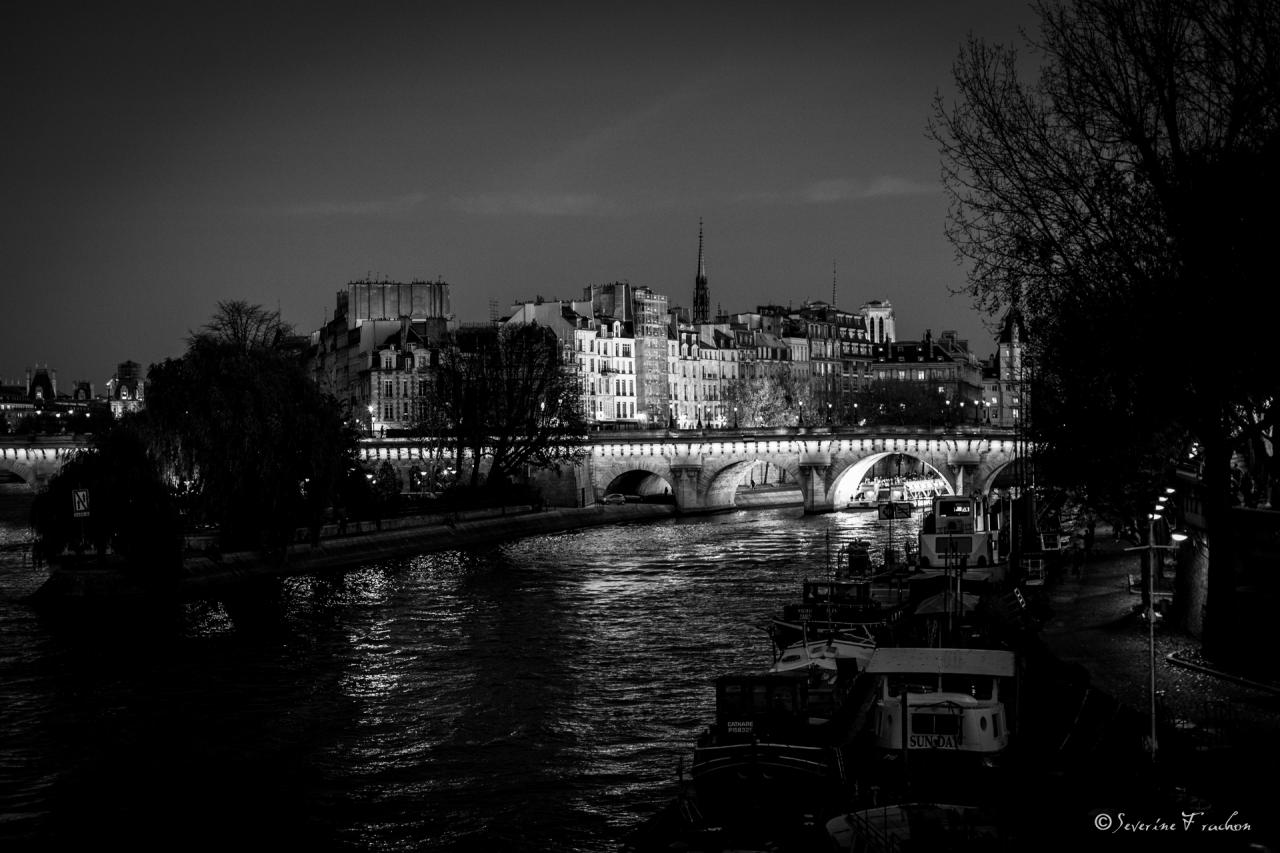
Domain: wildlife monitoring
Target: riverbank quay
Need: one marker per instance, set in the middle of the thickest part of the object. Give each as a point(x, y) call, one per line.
point(1080, 775)
point(758, 497)
point(1216, 734)
point(206, 573)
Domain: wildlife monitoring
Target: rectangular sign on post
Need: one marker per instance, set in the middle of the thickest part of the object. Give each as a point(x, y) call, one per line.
point(80, 503)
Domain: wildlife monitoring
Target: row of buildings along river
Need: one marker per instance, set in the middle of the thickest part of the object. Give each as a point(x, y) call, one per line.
point(640, 360)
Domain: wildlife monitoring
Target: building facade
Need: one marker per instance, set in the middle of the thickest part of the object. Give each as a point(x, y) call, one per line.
point(376, 354)
point(126, 390)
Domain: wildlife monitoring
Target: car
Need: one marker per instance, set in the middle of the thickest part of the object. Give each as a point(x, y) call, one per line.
point(615, 498)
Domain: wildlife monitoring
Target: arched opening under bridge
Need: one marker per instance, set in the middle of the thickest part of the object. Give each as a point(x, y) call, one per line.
point(918, 479)
point(642, 485)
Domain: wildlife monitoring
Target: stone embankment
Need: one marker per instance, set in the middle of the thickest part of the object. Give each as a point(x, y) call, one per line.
point(204, 571)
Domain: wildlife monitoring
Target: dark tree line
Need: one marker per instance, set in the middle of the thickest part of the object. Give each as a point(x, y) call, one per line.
point(1123, 202)
point(235, 435)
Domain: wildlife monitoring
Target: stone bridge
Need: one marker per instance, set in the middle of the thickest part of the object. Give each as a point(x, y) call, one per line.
point(703, 471)
point(33, 461)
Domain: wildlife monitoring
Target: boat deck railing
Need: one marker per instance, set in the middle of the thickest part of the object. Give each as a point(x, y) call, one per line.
point(875, 838)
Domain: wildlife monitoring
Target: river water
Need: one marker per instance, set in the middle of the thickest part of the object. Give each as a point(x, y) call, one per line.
point(533, 695)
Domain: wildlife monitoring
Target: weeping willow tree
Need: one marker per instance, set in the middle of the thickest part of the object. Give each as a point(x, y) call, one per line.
point(132, 513)
point(243, 434)
point(1123, 200)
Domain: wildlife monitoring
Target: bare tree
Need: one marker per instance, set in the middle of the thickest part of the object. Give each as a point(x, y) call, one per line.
point(246, 326)
point(506, 396)
point(770, 400)
point(1124, 202)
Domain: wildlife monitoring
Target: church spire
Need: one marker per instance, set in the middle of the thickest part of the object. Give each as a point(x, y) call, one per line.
point(701, 295)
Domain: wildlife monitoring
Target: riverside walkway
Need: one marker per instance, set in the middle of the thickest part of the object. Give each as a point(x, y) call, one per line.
point(1218, 728)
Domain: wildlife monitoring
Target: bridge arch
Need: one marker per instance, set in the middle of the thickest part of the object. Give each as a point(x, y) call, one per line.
point(720, 485)
point(639, 481)
point(637, 475)
point(845, 481)
point(36, 461)
point(1005, 467)
point(19, 470)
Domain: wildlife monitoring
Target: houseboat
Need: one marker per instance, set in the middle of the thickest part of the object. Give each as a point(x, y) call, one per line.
point(957, 532)
point(837, 606)
point(781, 743)
point(944, 703)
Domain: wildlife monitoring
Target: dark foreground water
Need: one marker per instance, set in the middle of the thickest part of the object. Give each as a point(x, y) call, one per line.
point(531, 696)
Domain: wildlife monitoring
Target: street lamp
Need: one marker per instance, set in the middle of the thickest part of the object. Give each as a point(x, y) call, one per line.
point(1151, 548)
point(735, 417)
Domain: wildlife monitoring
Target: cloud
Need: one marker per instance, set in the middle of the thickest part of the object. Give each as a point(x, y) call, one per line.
point(536, 203)
point(380, 207)
point(846, 189)
point(834, 190)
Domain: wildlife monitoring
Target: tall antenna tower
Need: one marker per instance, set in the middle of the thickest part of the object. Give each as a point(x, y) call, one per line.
point(493, 311)
point(833, 283)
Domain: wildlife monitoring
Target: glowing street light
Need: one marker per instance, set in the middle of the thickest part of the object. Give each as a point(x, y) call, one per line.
point(1151, 548)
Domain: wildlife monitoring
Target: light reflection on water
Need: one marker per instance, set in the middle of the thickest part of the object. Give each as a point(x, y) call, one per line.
point(532, 695)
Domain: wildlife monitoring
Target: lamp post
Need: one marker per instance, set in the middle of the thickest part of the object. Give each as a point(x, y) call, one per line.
point(735, 417)
point(1152, 548)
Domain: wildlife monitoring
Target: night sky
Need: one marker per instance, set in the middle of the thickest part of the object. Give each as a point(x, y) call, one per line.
point(159, 158)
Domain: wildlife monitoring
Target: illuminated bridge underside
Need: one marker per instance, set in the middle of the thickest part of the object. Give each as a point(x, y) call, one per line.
point(36, 463)
point(705, 472)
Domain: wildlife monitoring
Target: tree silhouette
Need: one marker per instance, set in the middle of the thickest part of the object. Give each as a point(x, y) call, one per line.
point(1123, 201)
point(507, 398)
point(237, 420)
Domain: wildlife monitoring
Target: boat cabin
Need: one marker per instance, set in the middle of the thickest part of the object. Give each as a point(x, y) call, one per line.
point(859, 557)
point(958, 532)
point(838, 592)
point(773, 704)
point(951, 699)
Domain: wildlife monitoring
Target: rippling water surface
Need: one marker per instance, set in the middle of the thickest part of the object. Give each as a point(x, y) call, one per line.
point(534, 695)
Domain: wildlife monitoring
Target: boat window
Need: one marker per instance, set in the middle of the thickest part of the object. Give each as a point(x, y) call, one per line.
point(978, 688)
point(731, 703)
point(912, 683)
point(782, 700)
point(935, 724)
